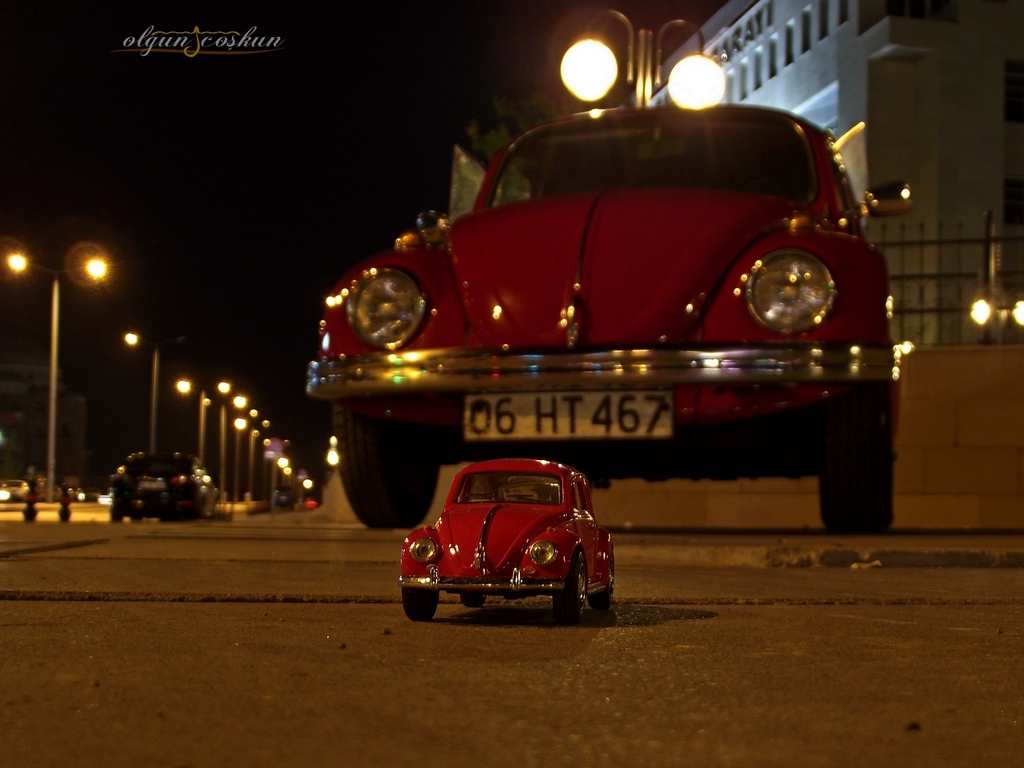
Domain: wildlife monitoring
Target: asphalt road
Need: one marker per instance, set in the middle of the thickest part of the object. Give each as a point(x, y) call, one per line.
point(281, 641)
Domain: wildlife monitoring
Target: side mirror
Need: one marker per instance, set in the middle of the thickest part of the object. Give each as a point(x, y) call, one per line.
point(433, 228)
point(889, 199)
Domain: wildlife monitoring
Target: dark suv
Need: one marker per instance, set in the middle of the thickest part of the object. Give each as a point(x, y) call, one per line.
point(171, 486)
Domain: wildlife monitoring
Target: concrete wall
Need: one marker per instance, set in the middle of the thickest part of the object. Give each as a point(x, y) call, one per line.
point(960, 459)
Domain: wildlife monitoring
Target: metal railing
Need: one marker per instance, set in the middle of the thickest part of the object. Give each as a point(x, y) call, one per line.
point(935, 282)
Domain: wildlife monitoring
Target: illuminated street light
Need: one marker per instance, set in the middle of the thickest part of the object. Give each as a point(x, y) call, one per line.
point(333, 459)
point(224, 388)
point(981, 311)
point(240, 424)
point(133, 339)
point(184, 386)
point(87, 257)
point(589, 68)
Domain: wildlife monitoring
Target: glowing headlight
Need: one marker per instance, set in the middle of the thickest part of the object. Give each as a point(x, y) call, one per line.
point(386, 308)
point(543, 552)
point(790, 291)
point(423, 550)
point(5, 495)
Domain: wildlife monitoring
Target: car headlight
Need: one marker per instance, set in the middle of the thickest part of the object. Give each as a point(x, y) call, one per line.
point(543, 552)
point(790, 291)
point(5, 495)
point(386, 308)
point(423, 550)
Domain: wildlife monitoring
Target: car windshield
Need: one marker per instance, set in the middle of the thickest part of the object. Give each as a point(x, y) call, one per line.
point(512, 487)
point(160, 466)
point(761, 153)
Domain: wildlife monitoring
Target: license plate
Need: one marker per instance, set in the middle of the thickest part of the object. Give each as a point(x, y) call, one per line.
point(616, 415)
point(153, 485)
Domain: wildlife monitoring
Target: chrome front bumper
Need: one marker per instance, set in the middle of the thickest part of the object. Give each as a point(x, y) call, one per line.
point(475, 370)
point(487, 583)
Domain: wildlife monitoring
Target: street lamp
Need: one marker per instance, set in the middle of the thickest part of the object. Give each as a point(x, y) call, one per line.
point(90, 259)
point(240, 424)
point(224, 388)
point(133, 339)
point(589, 68)
point(184, 386)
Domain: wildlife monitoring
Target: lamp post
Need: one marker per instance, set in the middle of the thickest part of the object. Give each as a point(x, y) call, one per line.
point(224, 388)
point(253, 434)
point(589, 68)
point(96, 269)
point(133, 339)
point(240, 424)
point(184, 386)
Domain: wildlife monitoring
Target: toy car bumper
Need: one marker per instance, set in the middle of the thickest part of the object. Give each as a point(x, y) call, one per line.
point(490, 583)
point(470, 370)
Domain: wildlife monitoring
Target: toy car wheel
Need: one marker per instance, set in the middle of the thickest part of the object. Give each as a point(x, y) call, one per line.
point(602, 601)
point(419, 604)
point(568, 603)
point(472, 599)
point(116, 516)
point(857, 462)
point(389, 469)
point(64, 514)
point(135, 515)
point(29, 516)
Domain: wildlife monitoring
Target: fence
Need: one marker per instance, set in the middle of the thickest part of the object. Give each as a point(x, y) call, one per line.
point(936, 281)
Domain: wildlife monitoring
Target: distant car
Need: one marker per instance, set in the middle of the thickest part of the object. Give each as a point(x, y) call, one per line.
point(170, 486)
point(511, 528)
point(13, 490)
point(284, 497)
point(650, 293)
point(89, 494)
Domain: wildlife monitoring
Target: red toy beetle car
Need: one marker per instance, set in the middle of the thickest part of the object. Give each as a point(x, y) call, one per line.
point(650, 293)
point(514, 528)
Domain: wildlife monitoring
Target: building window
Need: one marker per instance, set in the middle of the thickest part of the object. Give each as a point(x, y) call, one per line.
point(822, 19)
point(805, 31)
point(773, 53)
point(789, 43)
point(844, 11)
point(1014, 91)
point(1013, 201)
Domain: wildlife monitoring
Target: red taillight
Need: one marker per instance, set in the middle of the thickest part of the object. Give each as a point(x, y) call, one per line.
point(179, 480)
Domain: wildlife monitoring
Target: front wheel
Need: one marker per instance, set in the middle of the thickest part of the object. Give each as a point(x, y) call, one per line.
point(857, 461)
point(568, 603)
point(472, 599)
point(419, 604)
point(389, 469)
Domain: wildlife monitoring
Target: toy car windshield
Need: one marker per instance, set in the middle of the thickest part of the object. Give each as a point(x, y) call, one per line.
point(760, 154)
point(514, 488)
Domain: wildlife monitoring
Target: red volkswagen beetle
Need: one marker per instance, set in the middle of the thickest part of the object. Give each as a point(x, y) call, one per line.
point(513, 528)
point(652, 293)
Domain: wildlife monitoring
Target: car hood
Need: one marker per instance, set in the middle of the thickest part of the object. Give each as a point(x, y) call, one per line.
point(510, 529)
point(639, 258)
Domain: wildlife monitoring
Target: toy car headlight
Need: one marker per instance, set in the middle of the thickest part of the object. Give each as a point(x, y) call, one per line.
point(543, 552)
point(5, 495)
point(790, 291)
point(423, 550)
point(386, 308)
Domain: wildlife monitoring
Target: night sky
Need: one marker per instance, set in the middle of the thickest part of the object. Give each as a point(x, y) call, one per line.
point(233, 190)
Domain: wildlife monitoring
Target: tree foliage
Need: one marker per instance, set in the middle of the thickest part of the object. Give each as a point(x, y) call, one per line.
point(513, 116)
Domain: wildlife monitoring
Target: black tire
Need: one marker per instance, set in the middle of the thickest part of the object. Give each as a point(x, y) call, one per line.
point(419, 604)
point(389, 469)
point(602, 601)
point(857, 462)
point(472, 599)
point(568, 603)
point(116, 516)
point(64, 514)
point(30, 517)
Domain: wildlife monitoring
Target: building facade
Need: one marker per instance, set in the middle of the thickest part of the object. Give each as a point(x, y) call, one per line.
point(940, 87)
point(24, 401)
